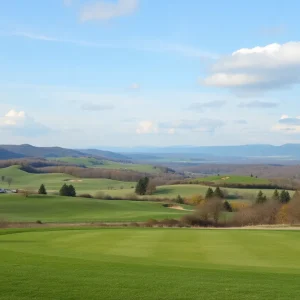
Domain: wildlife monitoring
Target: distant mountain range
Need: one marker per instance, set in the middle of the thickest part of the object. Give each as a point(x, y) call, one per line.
point(287, 151)
point(23, 151)
point(291, 151)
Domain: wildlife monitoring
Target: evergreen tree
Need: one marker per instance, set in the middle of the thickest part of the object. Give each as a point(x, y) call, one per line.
point(284, 197)
point(209, 193)
point(276, 196)
point(218, 193)
point(261, 198)
point(227, 206)
point(142, 185)
point(179, 200)
point(64, 190)
point(71, 191)
point(42, 190)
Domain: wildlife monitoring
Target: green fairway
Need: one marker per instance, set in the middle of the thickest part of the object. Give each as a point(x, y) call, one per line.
point(53, 182)
point(147, 264)
point(107, 164)
point(234, 179)
point(64, 209)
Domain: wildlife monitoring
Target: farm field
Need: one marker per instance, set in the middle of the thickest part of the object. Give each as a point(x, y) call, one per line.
point(17, 208)
point(107, 164)
point(235, 179)
point(53, 182)
point(147, 264)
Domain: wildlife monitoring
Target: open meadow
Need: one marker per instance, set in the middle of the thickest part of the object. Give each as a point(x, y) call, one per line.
point(92, 162)
point(147, 264)
point(17, 208)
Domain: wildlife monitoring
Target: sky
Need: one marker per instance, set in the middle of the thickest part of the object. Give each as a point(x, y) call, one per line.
point(125, 73)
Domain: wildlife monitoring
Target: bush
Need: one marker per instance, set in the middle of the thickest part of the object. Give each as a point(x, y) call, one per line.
point(85, 196)
point(39, 222)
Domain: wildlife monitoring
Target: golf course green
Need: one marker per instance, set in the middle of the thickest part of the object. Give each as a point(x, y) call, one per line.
point(140, 264)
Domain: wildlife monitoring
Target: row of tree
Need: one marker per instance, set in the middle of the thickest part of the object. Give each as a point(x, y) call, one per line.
point(283, 197)
point(217, 193)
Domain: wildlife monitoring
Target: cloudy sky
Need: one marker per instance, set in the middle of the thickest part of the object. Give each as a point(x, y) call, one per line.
point(84, 73)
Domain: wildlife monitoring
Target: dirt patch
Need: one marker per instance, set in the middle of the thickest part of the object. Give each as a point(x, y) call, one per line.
point(75, 180)
point(177, 207)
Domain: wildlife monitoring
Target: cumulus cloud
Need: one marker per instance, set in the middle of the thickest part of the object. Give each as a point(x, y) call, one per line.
point(264, 68)
point(19, 123)
point(205, 105)
point(288, 124)
point(96, 107)
point(105, 10)
point(258, 104)
point(146, 127)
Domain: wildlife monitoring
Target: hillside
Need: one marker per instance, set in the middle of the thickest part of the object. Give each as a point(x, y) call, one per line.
point(5, 154)
point(42, 152)
point(54, 181)
point(106, 154)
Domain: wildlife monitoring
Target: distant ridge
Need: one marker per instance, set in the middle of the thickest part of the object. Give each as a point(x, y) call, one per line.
point(4, 154)
point(26, 150)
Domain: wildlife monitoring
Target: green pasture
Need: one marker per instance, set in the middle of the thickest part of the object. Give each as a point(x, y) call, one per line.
point(147, 264)
point(107, 164)
point(53, 182)
point(65, 209)
point(234, 179)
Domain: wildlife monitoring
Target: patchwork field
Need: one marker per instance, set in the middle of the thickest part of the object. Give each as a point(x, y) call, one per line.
point(65, 210)
point(53, 182)
point(107, 164)
point(147, 264)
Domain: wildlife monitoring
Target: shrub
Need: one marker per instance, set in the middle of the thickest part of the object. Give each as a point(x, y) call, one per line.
point(39, 222)
point(85, 195)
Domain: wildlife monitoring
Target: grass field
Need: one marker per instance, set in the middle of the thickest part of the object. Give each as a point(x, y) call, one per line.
point(53, 182)
point(235, 179)
point(147, 264)
point(107, 164)
point(65, 210)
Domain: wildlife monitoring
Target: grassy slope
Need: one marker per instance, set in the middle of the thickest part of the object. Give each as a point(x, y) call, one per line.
point(64, 209)
point(54, 182)
point(147, 264)
point(106, 164)
point(235, 179)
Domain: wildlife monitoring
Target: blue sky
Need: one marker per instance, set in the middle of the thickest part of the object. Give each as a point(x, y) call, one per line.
point(80, 73)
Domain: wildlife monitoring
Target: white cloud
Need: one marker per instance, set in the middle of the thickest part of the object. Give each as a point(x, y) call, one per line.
point(19, 123)
point(268, 67)
point(146, 127)
point(105, 10)
point(288, 124)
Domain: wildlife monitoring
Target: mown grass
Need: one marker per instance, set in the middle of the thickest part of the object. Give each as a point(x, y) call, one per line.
point(147, 264)
point(53, 182)
point(107, 164)
point(17, 208)
point(237, 179)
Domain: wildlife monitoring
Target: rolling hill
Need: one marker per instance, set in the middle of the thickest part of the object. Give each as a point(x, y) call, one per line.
point(5, 154)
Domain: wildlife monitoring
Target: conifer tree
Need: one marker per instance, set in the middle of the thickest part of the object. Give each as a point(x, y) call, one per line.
point(42, 190)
